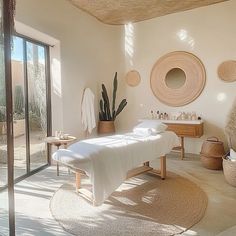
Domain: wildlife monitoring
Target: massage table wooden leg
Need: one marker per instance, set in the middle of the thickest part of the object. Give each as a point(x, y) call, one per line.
point(58, 169)
point(162, 172)
point(163, 167)
point(82, 191)
point(77, 181)
point(139, 170)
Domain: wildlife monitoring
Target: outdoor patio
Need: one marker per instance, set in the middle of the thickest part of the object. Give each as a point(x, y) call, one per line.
point(38, 155)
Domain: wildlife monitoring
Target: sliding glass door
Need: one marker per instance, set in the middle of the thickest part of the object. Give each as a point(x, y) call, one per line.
point(30, 86)
point(37, 103)
point(7, 218)
point(4, 225)
point(19, 121)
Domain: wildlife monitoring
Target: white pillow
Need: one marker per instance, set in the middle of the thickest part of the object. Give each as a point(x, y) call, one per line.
point(231, 158)
point(153, 126)
point(232, 153)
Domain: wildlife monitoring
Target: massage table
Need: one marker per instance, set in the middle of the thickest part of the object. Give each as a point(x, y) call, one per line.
point(110, 160)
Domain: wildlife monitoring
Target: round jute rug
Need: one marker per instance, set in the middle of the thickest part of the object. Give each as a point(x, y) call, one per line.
point(143, 205)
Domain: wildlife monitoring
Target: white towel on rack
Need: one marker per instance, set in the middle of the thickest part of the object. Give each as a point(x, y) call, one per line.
point(87, 112)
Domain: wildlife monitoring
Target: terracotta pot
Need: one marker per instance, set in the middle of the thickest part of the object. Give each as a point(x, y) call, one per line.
point(106, 127)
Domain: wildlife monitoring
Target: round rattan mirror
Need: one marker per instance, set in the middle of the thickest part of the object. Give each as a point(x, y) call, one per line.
point(178, 78)
point(175, 78)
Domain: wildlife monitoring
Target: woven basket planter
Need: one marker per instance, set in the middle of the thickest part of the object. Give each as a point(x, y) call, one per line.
point(229, 168)
point(106, 127)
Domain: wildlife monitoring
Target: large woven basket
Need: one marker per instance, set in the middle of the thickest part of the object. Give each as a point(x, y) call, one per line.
point(229, 168)
point(211, 153)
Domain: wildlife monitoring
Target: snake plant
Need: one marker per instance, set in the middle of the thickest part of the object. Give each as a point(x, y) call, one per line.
point(106, 112)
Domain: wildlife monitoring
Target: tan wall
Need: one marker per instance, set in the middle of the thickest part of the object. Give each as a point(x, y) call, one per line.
point(17, 74)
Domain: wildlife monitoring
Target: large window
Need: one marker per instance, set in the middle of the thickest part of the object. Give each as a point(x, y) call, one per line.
point(30, 88)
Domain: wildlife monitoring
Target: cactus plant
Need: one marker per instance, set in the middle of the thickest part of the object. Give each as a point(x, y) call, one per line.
point(107, 114)
point(18, 100)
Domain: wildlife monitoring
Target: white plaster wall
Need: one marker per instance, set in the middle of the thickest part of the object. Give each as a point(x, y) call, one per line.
point(87, 55)
point(210, 34)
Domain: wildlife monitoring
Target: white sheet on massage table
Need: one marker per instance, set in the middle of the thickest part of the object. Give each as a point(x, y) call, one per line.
point(106, 160)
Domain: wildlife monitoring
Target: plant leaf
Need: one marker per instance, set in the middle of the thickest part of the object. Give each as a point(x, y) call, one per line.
point(121, 107)
point(106, 100)
point(101, 105)
point(115, 85)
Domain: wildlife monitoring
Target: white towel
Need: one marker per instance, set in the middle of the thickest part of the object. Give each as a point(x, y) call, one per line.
point(142, 131)
point(87, 112)
point(148, 127)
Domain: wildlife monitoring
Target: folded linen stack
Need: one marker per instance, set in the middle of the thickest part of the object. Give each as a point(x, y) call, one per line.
point(232, 155)
point(149, 127)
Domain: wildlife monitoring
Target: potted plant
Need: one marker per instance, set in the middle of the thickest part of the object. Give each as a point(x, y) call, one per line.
point(19, 114)
point(107, 116)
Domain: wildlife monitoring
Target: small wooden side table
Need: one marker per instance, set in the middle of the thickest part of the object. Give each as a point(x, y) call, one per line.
point(185, 128)
point(52, 140)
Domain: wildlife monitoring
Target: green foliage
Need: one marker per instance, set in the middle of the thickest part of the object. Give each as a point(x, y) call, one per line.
point(105, 114)
point(18, 100)
point(34, 120)
point(2, 77)
point(2, 113)
point(2, 96)
point(18, 116)
point(115, 85)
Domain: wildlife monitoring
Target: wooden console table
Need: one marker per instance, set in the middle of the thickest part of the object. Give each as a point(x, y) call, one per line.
point(190, 129)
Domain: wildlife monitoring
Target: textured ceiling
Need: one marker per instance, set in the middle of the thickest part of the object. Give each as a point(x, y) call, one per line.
point(118, 12)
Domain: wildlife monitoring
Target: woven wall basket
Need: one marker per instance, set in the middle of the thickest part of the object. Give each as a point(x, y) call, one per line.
point(133, 78)
point(194, 83)
point(227, 71)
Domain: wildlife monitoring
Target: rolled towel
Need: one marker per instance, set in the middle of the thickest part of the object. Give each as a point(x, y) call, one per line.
point(142, 131)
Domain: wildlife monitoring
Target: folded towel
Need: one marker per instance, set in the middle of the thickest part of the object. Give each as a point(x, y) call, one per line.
point(146, 126)
point(142, 131)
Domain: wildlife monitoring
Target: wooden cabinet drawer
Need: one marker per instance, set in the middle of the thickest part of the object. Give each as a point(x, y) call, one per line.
point(187, 130)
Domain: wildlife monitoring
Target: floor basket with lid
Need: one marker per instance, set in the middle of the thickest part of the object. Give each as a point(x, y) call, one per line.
point(212, 153)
